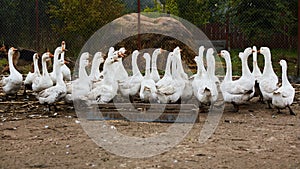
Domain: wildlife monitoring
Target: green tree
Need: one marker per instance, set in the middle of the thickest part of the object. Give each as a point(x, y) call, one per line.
point(259, 19)
point(195, 11)
point(75, 21)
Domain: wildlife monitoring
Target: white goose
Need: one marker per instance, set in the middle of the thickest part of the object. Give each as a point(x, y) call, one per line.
point(204, 87)
point(178, 82)
point(31, 76)
point(95, 74)
point(187, 92)
point(57, 52)
point(154, 73)
point(148, 89)
point(256, 73)
point(83, 85)
point(65, 69)
point(233, 91)
point(44, 81)
point(12, 84)
point(247, 80)
point(165, 85)
point(284, 96)
point(211, 65)
point(131, 86)
point(122, 73)
point(52, 94)
point(268, 81)
point(107, 89)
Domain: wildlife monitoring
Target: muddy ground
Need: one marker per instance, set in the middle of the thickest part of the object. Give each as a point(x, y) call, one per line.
point(255, 137)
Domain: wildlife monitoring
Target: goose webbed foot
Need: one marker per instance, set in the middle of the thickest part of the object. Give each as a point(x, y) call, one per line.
point(278, 111)
point(24, 93)
point(291, 111)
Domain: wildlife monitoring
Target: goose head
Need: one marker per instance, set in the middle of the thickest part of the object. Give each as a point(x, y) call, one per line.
point(283, 63)
point(47, 56)
point(201, 49)
point(241, 55)
point(146, 56)
point(84, 59)
point(176, 51)
point(210, 52)
point(264, 50)
point(121, 52)
point(11, 51)
point(224, 54)
point(63, 46)
point(99, 56)
point(248, 51)
point(135, 53)
point(36, 56)
point(157, 51)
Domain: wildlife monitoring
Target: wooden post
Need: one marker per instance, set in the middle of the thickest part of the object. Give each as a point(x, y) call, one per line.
point(139, 24)
point(298, 62)
point(37, 38)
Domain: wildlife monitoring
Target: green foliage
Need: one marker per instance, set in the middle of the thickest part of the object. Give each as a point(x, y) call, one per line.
point(259, 18)
point(76, 21)
point(195, 11)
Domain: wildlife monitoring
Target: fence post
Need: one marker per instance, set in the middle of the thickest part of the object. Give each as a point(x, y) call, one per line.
point(139, 24)
point(298, 46)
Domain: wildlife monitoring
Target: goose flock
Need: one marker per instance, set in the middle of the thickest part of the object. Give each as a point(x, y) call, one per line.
point(173, 86)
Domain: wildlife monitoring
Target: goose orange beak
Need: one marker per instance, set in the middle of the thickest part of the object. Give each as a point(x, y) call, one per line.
point(258, 51)
point(51, 55)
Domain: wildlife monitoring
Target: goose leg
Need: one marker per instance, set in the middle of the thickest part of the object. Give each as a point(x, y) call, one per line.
point(236, 107)
point(269, 104)
point(291, 111)
point(24, 93)
point(278, 111)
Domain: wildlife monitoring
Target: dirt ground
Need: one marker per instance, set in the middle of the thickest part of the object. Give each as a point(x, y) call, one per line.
point(255, 137)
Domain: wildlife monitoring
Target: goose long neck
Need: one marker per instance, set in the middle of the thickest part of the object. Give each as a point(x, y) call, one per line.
point(36, 66)
point(59, 77)
point(200, 66)
point(174, 64)
point(210, 65)
point(168, 66)
point(95, 66)
point(228, 76)
point(147, 73)
point(44, 67)
point(268, 64)
point(154, 59)
point(245, 68)
point(62, 56)
point(12, 68)
point(109, 72)
point(55, 60)
point(285, 80)
point(82, 72)
point(135, 68)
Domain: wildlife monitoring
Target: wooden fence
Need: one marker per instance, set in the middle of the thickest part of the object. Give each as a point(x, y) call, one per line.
point(236, 39)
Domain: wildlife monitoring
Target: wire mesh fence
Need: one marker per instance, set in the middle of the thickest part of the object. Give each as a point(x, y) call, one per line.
point(43, 24)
